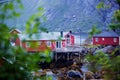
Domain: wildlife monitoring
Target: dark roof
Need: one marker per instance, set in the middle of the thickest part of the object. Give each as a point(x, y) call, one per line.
point(107, 33)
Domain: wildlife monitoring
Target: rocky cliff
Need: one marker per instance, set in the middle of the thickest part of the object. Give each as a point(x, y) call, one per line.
point(64, 15)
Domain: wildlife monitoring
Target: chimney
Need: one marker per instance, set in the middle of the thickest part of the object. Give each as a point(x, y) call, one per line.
point(61, 33)
point(70, 31)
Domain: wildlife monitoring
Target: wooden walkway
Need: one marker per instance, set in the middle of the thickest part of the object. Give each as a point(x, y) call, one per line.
point(68, 52)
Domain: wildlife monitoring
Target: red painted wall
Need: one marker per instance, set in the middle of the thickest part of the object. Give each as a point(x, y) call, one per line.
point(106, 41)
point(72, 39)
point(35, 48)
point(42, 47)
point(53, 45)
point(17, 42)
point(63, 44)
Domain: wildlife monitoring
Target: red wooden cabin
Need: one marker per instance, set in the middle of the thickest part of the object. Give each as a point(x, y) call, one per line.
point(43, 41)
point(106, 37)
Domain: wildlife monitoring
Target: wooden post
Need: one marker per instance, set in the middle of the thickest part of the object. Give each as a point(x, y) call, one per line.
point(55, 56)
point(84, 76)
point(79, 55)
point(68, 56)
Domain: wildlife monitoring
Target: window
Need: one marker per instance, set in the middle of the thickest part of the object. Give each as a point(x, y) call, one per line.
point(48, 43)
point(114, 39)
point(58, 44)
point(103, 39)
point(96, 39)
point(68, 39)
point(27, 44)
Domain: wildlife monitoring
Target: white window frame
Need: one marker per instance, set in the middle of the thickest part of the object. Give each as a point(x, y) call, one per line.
point(27, 44)
point(114, 39)
point(96, 39)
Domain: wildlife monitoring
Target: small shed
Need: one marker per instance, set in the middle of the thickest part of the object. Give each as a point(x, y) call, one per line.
point(106, 37)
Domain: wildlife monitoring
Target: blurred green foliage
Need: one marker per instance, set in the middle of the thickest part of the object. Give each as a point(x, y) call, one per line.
point(97, 61)
point(117, 15)
point(94, 31)
point(105, 62)
point(100, 5)
point(15, 62)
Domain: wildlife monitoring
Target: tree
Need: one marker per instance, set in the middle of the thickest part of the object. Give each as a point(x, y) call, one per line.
point(94, 31)
point(115, 24)
point(105, 9)
point(15, 62)
point(108, 63)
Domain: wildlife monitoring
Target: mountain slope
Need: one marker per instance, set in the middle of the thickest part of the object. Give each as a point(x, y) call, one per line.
point(64, 15)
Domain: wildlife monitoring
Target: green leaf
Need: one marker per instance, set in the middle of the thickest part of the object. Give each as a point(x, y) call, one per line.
point(114, 26)
point(100, 5)
point(31, 19)
point(94, 31)
point(5, 7)
point(10, 6)
point(39, 14)
point(27, 26)
point(117, 15)
point(35, 28)
point(2, 16)
point(21, 6)
point(19, 1)
point(43, 29)
point(40, 9)
point(16, 14)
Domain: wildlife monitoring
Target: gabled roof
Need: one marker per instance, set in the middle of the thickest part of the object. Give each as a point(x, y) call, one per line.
point(42, 36)
point(17, 30)
point(107, 33)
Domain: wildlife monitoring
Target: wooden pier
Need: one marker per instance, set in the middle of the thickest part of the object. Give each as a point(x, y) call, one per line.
point(68, 52)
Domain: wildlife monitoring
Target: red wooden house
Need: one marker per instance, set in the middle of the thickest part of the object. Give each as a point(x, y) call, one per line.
point(41, 41)
point(106, 37)
point(70, 39)
point(14, 40)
